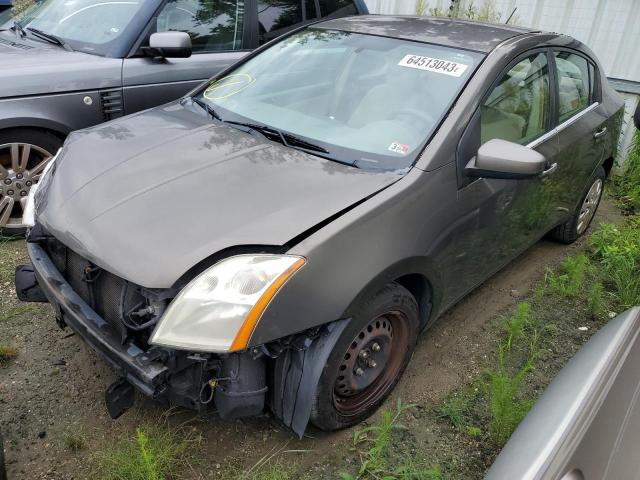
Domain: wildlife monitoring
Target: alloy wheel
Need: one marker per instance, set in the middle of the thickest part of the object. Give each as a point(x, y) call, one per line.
point(371, 364)
point(21, 165)
point(589, 206)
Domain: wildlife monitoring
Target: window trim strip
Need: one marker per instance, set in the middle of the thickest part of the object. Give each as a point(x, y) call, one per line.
point(563, 125)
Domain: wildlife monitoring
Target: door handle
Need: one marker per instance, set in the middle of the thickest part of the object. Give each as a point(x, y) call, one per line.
point(600, 133)
point(552, 168)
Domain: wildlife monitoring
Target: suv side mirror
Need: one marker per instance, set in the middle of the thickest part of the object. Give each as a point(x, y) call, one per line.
point(169, 45)
point(502, 159)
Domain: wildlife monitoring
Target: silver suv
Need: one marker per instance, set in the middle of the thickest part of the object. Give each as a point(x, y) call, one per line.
point(70, 65)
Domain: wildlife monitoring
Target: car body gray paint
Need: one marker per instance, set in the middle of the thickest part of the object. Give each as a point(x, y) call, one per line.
point(120, 181)
point(406, 228)
point(49, 69)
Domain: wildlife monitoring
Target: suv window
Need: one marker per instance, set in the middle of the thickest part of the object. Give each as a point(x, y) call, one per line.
point(275, 17)
point(574, 90)
point(337, 8)
point(518, 107)
point(213, 25)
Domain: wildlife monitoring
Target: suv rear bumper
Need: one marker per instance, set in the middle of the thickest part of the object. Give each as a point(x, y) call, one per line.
point(127, 359)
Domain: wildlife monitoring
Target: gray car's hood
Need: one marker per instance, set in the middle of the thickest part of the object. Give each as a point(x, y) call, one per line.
point(151, 195)
point(30, 67)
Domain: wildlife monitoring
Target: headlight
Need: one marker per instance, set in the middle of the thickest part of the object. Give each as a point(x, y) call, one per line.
point(29, 213)
point(219, 310)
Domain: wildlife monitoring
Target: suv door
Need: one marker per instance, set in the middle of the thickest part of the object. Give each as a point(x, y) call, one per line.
point(581, 130)
point(504, 216)
point(218, 32)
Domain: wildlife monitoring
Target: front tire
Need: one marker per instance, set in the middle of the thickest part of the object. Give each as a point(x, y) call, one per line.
point(368, 359)
point(23, 155)
point(577, 225)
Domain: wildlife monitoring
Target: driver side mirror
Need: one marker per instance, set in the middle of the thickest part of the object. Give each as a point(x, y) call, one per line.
point(169, 45)
point(502, 159)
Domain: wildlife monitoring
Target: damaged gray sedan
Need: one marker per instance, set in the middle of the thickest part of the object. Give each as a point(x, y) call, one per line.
point(279, 238)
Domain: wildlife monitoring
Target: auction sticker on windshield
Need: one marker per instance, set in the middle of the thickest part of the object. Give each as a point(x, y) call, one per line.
point(431, 64)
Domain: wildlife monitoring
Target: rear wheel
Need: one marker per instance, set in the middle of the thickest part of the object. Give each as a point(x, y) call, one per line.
point(368, 359)
point(579, 222)
point(24, 153)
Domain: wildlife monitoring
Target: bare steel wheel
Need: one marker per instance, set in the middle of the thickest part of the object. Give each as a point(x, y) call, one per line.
point(23, 157)
point(371, 363)
point(368, 359)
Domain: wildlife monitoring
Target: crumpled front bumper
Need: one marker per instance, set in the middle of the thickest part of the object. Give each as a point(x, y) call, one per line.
point(127, 359)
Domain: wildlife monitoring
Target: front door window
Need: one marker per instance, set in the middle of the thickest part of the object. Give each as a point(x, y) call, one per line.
point(517, 109)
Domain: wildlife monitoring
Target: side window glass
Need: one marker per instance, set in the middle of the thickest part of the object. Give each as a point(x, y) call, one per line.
point(518, 107)
point(277, 16)
point(213, 25)
point(592, 83)
point(573, 84)
point(337, 8)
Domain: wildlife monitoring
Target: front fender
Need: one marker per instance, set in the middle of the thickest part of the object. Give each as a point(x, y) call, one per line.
point(60, 113)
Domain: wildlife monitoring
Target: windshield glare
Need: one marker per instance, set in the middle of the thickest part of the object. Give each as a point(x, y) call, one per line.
point(370, 101)
point(87, 25)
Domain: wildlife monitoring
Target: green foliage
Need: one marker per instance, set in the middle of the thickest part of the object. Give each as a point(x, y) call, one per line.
point(627, 183)
point(595, 300)
point(18, 311)
point(514, 326)
point(7, 352)
point(373, 444)
point(154, 453)
point(486, 12)
point(454, 409)
point(617, 253)
point(421, 7)
point(507, 409)
point(74, 440)
point(569, 281)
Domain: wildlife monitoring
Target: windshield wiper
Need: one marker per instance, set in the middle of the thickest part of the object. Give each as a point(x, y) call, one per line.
point(49, 37)
point(286, 139)
point(207, 108)
point(18, 29)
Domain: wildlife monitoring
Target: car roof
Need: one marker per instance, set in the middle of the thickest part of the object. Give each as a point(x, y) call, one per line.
point(477, 36)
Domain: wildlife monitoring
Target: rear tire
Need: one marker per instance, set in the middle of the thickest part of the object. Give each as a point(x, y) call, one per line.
point(17, 177)
point(578, 224)
point(368, 359)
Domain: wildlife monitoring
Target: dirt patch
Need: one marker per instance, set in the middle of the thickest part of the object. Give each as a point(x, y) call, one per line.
point(56, 384)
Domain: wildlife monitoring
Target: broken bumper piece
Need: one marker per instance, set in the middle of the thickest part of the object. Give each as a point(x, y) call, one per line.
point(132, 363)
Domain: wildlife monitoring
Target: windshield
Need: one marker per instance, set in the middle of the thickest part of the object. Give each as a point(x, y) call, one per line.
point(90, 26)
point(368, 101)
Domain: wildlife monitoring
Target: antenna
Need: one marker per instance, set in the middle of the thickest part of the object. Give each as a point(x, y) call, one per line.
point(511, 16)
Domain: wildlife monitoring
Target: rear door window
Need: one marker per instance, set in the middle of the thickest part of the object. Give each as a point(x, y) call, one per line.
point(517, 109)
point(574, 86)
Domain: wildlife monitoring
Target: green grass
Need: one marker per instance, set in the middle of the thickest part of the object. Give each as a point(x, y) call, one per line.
point(74, 440)
point(505, 391)
point(569, 280)
point(7, 353)
point(373, 445)
point(626, 184)
point(152, 453)
point(19, 311)
point(454, 409)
